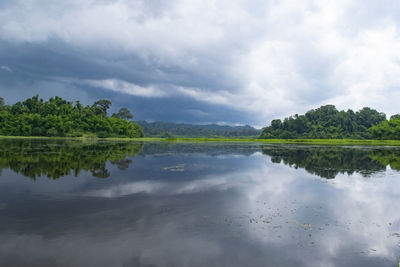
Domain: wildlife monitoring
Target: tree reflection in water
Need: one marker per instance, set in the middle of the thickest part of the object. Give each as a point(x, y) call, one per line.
point(327, 161)
point(57, 158)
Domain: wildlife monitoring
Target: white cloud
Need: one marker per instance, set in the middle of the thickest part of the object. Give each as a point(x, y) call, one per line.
point(125, 87)
point(265, 58)
point(6, 68)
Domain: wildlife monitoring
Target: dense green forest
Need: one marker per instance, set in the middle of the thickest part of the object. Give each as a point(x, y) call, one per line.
point(58, 117)
point(169, 129)
point(387, 129)
point(329, 123)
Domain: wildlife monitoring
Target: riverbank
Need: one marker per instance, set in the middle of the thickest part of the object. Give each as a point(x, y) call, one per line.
point(199, 140)
point(284, 141)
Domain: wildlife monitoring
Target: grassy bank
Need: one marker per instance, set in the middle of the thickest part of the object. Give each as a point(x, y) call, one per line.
point(284, 141)
point(199, 140)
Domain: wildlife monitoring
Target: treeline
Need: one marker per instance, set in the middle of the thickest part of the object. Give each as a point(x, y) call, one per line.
point(169, 129)
point(58, 117)
point(327, 122)
point(388, 129)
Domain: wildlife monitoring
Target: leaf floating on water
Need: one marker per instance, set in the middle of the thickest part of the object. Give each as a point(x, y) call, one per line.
point(396, 234)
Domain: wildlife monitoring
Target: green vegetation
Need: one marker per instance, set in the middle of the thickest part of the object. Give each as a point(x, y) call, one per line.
point(327, 162)
point(388, 129)
point(57, 158)
point(331, 142)
point(338, 142)
point(174, 130)
point(60, 118)
point(327, 122)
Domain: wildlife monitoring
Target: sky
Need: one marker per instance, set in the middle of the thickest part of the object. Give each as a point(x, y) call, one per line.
point(215, 61)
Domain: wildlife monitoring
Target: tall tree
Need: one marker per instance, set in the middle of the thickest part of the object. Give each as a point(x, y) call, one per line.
point(123, 113)
point(101, 106)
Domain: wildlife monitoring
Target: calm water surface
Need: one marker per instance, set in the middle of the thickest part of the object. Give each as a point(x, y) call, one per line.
point(159, 204)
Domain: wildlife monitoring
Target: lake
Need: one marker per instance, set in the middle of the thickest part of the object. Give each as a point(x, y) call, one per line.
point(81, 203)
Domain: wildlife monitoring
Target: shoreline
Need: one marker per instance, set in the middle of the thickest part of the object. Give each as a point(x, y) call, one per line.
point(226, 140)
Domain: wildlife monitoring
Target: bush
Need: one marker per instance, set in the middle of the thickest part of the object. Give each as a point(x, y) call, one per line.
point(75, 134)
point(37, 131)
point(52, 132)
point(103, 134)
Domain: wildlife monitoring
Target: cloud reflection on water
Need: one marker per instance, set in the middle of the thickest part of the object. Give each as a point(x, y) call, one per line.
point(220, 210)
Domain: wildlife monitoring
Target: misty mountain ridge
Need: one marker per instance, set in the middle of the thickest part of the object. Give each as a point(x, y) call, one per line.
point(170, 129)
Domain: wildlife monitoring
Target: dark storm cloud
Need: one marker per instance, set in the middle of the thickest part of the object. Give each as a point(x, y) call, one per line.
point(47, 69)
point(57, 59)
point(232, 61)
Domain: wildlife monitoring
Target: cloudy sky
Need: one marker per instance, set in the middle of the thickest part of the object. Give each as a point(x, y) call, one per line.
point(237, 62)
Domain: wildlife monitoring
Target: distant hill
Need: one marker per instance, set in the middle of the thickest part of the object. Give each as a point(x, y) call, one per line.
point(170, 129)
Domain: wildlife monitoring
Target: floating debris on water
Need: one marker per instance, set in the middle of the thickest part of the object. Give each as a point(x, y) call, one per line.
point(396, 234)
point(176, 168)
